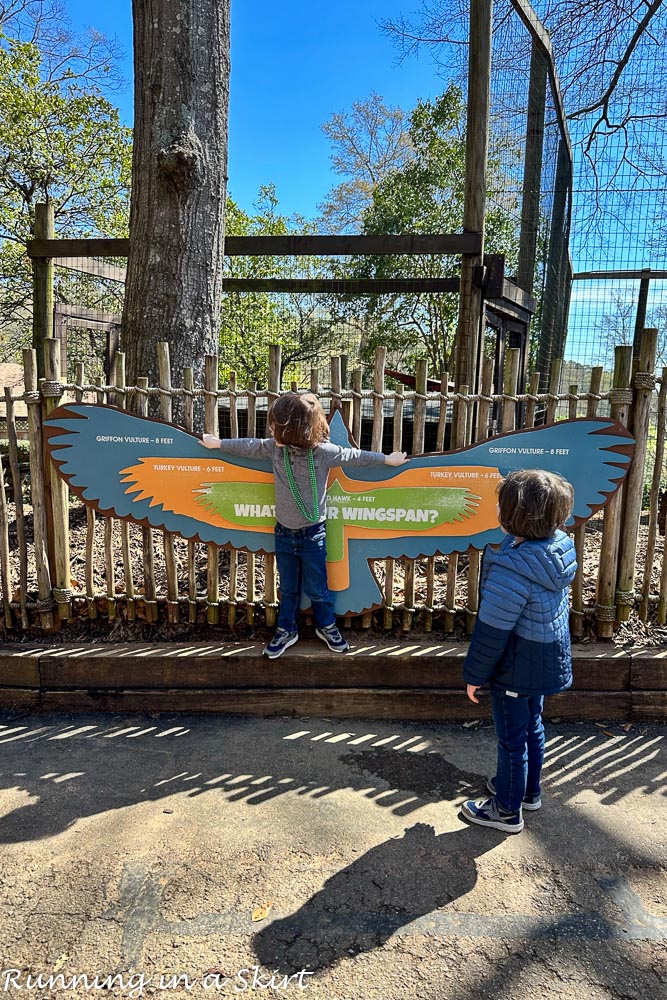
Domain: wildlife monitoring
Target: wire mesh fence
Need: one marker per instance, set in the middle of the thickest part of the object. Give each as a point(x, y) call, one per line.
point(618, 228)
point(530, 172)
point(604, 312)
point(309, 325)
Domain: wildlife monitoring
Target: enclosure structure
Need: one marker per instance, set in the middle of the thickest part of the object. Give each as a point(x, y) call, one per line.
point(517, 325)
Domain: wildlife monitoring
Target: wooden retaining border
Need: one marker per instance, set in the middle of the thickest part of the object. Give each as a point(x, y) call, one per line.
point(402, 681)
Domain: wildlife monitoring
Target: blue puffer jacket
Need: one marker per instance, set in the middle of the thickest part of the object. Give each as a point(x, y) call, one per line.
point(521, 640)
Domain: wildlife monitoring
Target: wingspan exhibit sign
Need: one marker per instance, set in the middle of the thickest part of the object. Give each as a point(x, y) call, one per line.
point(156, 474)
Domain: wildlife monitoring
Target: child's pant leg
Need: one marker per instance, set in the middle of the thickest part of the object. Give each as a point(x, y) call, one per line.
point(315, 584)
point(512, 718)
point(535, 742)
point(289, 573)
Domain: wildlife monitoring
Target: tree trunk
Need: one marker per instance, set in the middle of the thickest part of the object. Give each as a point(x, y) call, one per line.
point(179, 174)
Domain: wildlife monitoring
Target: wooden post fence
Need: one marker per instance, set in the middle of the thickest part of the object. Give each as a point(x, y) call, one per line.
point(577, 613)
point(32, 397)
point(605, 606)
point(432, 599)
point(51, 390)
point(644, 386)
point(653, 498)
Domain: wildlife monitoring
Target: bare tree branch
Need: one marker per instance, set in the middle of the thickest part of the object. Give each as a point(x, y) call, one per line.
point(604, 99)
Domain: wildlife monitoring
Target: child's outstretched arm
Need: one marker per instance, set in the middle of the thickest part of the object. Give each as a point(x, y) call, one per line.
point(396, 458)
point(245, 447)
point(210, 441)
point(335, 455)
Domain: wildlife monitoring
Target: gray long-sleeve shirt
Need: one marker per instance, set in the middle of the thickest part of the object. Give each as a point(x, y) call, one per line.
point(326, 456)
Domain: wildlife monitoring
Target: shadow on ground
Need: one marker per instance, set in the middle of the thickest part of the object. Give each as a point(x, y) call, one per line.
point(361, 906)
point(94, 765)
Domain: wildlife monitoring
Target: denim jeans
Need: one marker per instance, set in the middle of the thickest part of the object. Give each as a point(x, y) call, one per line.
point(520, 733)
point(301, 557)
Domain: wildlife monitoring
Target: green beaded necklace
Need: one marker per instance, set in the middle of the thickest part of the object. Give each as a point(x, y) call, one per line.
point(294, 489)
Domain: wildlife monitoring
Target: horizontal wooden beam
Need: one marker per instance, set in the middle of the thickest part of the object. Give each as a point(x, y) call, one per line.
point(231, 676)
point(517, 296)
point(618, 275)
point(343, 703)
point(340, 246)
point(74, 312)
point(283, 246)
point(351, 286)
point(77, 248)
point(649, 705)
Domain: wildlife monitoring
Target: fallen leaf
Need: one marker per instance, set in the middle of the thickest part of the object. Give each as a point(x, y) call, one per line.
point(61, 961)
point(262, 912)
point(606, 732)
point(473, 722)
point(627, 726)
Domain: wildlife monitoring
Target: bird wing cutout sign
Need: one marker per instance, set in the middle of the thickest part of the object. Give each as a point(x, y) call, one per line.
point(157, 474)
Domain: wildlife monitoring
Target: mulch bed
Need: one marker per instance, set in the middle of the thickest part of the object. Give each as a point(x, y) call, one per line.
point(82, 628)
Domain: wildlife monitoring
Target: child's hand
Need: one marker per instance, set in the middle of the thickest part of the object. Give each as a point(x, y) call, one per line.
point(396, 458)
point(470, 691)
point(210, 441)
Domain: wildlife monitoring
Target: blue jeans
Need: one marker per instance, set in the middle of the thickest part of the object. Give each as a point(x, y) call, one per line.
point(301, 557)
point(520, 733)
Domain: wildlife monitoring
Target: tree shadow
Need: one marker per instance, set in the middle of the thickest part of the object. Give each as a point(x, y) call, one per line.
point(360, 907)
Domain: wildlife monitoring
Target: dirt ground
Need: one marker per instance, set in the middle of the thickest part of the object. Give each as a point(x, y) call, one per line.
point(221, 855)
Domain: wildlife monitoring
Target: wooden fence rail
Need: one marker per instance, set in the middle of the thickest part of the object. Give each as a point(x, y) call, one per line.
point(65, 562)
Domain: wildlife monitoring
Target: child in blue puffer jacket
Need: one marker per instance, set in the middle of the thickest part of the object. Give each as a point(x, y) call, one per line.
point(520, 645)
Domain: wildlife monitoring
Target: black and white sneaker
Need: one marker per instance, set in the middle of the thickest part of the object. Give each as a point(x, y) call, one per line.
point(281, 641)
point(485, 812)
point(333, 638)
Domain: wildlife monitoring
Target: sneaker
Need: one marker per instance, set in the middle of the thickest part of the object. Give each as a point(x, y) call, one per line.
point(281, 641)
point(531, 802)
point(485, 812)
point(333, 638)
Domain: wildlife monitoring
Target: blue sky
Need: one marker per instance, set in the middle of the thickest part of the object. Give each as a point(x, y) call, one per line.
point(293, 65)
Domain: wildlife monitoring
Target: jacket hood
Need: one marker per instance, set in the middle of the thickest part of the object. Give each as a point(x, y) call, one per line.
point(551, 562)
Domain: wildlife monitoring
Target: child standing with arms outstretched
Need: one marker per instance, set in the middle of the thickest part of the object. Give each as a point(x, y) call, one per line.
point(301, 455)
point(520, 645)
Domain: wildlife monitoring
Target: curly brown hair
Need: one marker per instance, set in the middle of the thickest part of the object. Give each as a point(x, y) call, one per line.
point(533, 503)
point(298, 419)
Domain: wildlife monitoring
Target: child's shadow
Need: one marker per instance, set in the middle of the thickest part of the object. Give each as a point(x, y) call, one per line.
point(360, 907)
